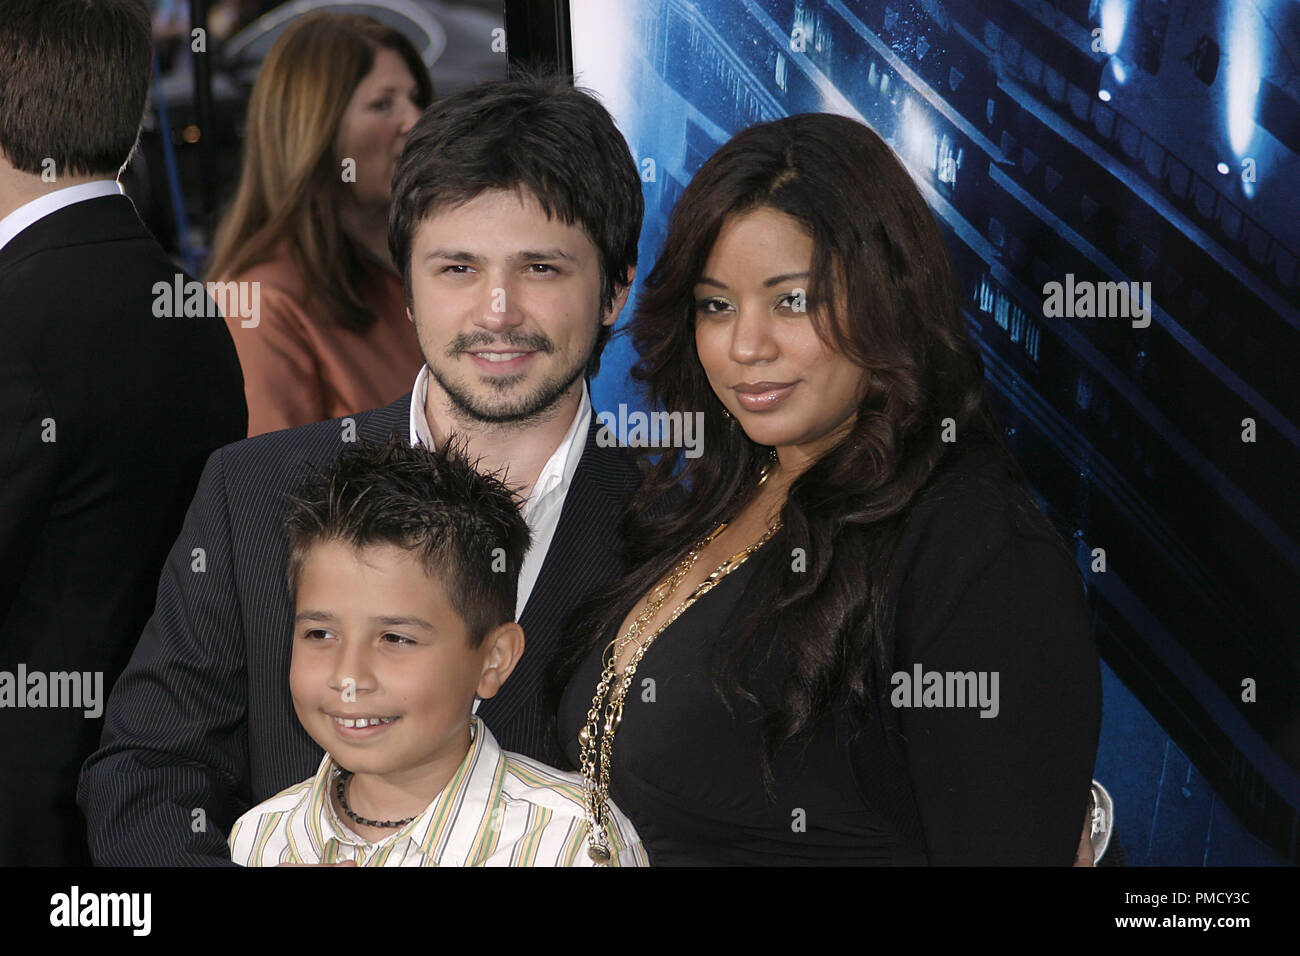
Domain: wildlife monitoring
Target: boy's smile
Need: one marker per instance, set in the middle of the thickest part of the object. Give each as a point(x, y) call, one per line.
point(361, 728)
point(383, 675)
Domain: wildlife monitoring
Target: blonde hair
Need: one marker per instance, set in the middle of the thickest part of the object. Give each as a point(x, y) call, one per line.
point(290, 188)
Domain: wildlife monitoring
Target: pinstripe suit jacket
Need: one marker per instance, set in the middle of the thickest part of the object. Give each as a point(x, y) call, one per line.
point(201, 727)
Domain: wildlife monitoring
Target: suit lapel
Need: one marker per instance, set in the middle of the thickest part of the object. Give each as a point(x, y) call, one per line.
point(585, 553)
point(592, 509)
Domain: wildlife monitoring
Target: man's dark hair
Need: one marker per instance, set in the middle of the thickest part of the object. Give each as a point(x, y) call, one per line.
point(464, 527)
point(538, 134)
point(73, 79)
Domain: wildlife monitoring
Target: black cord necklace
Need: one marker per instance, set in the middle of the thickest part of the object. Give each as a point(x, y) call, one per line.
point(344, 777)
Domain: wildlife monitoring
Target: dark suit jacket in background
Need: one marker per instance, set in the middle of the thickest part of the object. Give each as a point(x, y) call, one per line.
point(137, 404)
point(201, 726)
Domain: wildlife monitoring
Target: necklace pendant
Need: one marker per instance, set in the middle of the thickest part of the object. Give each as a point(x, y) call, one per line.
point(598, 854)
point(613, 717)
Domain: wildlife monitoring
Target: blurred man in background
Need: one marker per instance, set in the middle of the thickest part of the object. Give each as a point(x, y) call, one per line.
point(111, 399)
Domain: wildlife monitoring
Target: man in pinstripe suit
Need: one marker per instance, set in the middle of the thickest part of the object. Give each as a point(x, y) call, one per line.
point(515, 216)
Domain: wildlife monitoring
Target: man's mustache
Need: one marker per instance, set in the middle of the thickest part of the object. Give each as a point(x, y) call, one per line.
point(523, 342)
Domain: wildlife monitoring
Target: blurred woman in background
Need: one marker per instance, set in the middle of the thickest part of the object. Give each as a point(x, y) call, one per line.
point(328, 117)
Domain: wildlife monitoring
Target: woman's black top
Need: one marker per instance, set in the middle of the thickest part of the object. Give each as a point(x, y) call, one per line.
point(980, 585)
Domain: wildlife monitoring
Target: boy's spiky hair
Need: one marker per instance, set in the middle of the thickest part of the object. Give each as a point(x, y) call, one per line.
point(464, 527)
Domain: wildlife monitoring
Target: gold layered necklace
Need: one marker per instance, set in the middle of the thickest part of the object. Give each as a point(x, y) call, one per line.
point(607, 707)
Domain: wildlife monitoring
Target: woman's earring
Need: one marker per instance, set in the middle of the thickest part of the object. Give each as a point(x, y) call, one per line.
point(726, 414)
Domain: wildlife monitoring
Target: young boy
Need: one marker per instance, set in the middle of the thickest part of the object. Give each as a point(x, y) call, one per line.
point(403, 566)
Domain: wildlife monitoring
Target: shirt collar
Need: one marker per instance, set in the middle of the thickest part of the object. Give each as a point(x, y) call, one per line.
point(556, 475)
point(40, 207)
point(419, 424)
point(435, 834)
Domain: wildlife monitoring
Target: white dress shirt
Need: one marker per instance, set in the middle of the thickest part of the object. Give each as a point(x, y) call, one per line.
point(541, 512)
point(498, 809)
point(42, 206)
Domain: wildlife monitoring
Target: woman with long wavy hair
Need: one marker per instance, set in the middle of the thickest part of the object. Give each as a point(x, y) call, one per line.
point(849, 635)
point(328, 116)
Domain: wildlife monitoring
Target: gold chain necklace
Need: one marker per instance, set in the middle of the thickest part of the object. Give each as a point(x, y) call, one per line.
point(597, 748)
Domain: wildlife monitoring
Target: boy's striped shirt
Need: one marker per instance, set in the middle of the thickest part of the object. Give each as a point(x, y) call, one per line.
point(498, 809)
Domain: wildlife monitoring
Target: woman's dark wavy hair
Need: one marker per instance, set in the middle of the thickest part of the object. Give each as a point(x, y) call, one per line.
point(876, 245)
